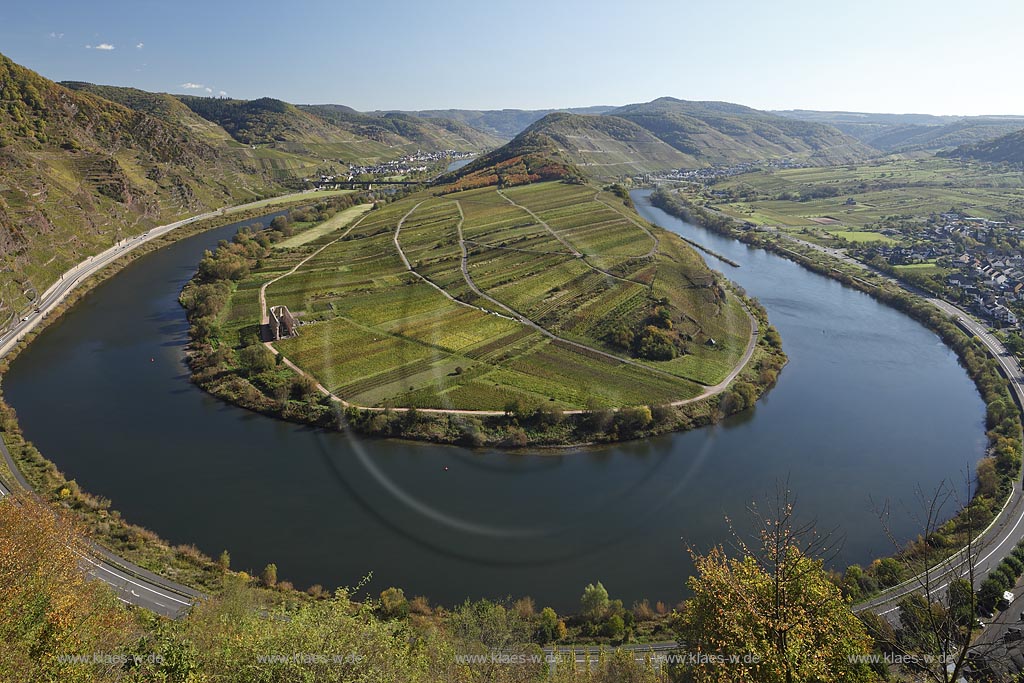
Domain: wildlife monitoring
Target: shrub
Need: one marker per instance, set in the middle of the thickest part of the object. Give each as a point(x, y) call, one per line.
point(393, 604)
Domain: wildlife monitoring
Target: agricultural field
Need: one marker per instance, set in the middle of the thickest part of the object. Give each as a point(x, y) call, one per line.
point(338, 220)
point(851, 202)
point(548, 294)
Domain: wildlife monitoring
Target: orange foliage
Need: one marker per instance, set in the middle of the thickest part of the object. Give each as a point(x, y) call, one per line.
point(47, 608)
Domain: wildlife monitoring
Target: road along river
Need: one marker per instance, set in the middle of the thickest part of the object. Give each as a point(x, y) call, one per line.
point(871, 406)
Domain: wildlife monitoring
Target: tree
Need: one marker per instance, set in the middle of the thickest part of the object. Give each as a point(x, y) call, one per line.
point(594, 601)
point(487, 628)
point(614, 628)
point(47, 607)
point(256, 358)
point(937, 619)
point(224, 561)
point(393, 604)
point(280, 223)
point(888, 571)
point(303, 388)
point(525, 607)
point(772, 610)
point(548, 626)
point(269, 575)
point(631, 420)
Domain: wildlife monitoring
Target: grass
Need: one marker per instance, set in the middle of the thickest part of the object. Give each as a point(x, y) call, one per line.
point(926, 268)
point(283, 201)
point(861, 236)
point(377, 334)
point(336, 222)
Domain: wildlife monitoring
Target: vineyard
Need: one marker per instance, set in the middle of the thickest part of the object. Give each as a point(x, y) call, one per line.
point(484, 299)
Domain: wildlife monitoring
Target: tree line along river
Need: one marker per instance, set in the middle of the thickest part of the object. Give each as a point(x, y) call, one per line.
point(871, 407)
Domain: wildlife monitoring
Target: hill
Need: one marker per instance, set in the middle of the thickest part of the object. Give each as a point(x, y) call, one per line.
point(609, 145)
point(1008, 148)
point(399, 128)
point(724, 133)
point(573, 145)
point(913, 132)
point(503, 124)
point(283, 165)
point(78, 172)
point(290, 141)
point(160, 105)
point(701, 133)
point(530, 157)
point(333, 131)
point(662, 135)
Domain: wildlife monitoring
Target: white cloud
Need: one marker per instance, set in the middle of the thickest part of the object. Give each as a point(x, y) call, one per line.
point(139, 46)
point(222, 93)
point(210, 90)
point(56, 36)
point(106, 47)
point(193, 86)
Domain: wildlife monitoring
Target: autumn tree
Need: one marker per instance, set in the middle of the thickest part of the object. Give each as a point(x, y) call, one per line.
point(937, 616)
point(770, 613)
point(393, 604)
point(269, 575)
point(48, 610)
point(594, 601)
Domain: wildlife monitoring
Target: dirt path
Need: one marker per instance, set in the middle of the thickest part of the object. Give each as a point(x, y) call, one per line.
point(264, 312)
point(575, 252)
point(512, 315)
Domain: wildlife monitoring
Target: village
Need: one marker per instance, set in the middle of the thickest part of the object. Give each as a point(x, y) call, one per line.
point(710, 174)
point(984, 256)
point(420, 162)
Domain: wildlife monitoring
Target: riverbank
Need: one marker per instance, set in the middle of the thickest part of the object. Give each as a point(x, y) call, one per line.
point(183, 563)
point(996, 473)
point(245, 373)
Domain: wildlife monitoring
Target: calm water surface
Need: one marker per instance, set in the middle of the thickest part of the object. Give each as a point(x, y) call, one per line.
point(870, 406)
point(458, 163)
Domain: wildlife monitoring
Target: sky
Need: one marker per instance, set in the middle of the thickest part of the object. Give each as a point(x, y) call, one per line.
point(893, 56)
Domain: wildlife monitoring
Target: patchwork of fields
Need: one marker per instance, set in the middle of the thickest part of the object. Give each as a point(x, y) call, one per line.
point(863, 197)
point(483, 299)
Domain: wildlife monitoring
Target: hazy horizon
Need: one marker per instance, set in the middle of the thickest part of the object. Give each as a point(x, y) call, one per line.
point(942, 58)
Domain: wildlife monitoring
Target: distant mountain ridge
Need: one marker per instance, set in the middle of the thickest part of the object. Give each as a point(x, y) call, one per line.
point(297, 132)
point(897, 133)
point(724, 133)
point(1007, 148)
point(504, 124)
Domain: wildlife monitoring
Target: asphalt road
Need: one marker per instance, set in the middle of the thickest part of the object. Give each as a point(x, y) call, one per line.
point(133, 584)
point(60, 289)
point(1000, 538)
point(139, 587)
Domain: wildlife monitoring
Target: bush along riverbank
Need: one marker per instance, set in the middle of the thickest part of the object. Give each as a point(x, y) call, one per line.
point(994, 474)
point(239, 369)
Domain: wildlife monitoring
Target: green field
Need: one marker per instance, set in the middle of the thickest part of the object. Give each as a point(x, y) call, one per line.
point(581, 267)
point(335, 222)
point(905, 191)
point(861, 236)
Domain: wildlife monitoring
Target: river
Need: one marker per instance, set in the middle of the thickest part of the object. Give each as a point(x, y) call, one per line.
point(870, 407)
point(457, 164)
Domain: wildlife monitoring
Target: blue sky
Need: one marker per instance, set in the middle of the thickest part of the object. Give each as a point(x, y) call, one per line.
point(926, 56)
